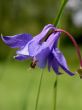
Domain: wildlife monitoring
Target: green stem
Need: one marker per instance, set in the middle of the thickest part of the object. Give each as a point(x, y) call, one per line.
point(56, 81)
point(56, 21)
point(38, 94)
point(55, 95)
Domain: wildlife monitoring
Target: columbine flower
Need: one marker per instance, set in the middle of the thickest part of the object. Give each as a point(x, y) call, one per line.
point(42, 49)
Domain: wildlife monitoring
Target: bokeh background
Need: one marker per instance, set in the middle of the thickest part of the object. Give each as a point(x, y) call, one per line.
point(18, 82)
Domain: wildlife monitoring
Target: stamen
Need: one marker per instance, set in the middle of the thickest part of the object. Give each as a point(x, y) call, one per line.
point(33, 63)
point(74, 42)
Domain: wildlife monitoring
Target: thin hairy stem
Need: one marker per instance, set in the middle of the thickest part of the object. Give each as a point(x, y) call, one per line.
point(74, 42)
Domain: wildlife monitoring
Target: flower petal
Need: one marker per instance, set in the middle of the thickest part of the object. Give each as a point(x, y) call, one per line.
point(44, 52)
point(50, 58)
point(53, 39)
point(55, 66)
point(53, 62)
point(42, 55)
point(33, 46)
point(43, 33)
point(47, 26)
point(17, 41)
point(61, 61)
point(21, 57)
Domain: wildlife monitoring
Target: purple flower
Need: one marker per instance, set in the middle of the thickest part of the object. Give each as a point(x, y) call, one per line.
point(42, 48)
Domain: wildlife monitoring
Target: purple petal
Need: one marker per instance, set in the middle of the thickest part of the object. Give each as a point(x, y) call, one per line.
point(61, 61)
point(47, 26)
point(21, 57)
point(42, 55)
point(57, 36)
point(53, 62)
point(43, 33)
point(17, 41)
point(43, 51)
point(50, 58)
point(53, 39)
point(33, 46)
point(55, 66)
point(23, 51)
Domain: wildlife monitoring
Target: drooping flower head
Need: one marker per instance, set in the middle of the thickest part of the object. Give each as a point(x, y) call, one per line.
point(42, 48)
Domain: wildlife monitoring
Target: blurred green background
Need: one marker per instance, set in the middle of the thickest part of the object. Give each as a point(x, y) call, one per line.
point(18, 82)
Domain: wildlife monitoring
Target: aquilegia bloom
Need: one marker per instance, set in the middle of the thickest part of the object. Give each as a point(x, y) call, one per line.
point(42, 48)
